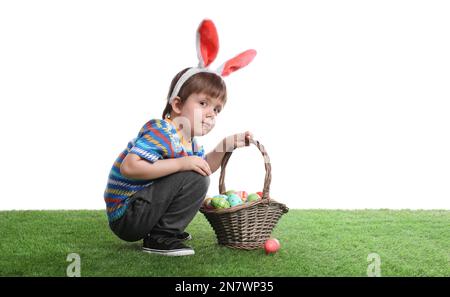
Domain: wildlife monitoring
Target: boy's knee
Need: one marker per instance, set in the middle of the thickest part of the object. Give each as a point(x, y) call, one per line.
point(205, 180)
point(201, 182)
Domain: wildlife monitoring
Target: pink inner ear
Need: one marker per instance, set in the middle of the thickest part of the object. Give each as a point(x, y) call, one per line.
point(238, 62)
point(207, 43)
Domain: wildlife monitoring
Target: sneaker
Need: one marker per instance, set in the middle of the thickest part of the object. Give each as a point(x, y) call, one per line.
point(167, 246)
point(184, 236)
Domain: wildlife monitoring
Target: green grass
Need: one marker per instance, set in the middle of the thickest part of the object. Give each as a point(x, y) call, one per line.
point(314, 243)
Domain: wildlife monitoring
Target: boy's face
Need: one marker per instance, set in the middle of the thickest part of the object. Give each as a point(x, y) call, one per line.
point(201, 111)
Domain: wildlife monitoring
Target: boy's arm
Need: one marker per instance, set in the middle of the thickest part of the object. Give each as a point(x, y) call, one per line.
point(135, 167)
point(214, 158)
point(228, 144)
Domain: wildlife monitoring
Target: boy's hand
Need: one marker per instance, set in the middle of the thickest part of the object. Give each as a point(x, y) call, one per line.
point(238, 140)
point(196, 164)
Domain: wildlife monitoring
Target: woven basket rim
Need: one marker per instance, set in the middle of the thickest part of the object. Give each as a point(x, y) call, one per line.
point(244, 206)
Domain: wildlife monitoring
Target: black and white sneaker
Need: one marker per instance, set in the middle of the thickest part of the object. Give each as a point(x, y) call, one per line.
point(167, 246)
point(184, 236)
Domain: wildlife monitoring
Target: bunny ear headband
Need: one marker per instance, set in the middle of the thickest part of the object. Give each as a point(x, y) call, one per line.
point(207, 48)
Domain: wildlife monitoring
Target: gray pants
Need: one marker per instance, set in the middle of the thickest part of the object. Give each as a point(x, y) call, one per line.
point(163, 209)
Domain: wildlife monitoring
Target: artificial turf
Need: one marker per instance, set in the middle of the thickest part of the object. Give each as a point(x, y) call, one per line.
point(313, 243)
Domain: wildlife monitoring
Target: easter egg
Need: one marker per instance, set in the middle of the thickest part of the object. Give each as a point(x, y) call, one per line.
point(233, 196)
point(271, 245)
point(229, 192)
point(242, 194)
point(207, 203)
point(215, 201)
point(223, 204)
point(221, 196)
point(234, 201)
point(220, 203)
point(253, 197)
point(260, 194)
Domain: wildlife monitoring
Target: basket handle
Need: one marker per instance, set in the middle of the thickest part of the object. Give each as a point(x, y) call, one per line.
point(267, 179)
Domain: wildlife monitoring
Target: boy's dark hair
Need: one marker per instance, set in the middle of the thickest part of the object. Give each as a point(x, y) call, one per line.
point(204, 82)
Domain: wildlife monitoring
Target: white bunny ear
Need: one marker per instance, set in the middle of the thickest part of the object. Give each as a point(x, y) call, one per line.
point(236, 63)
point(207, 43)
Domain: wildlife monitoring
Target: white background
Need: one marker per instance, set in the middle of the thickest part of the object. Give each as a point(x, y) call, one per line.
point(350, 98)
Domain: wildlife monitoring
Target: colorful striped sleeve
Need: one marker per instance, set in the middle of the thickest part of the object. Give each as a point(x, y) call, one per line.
point(153, 142)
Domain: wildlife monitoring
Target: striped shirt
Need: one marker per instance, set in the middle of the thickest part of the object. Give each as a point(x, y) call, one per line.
point(157, 140)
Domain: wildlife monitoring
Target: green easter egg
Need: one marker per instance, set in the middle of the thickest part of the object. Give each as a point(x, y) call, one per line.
point(216, 201)
point(223, 204)
point(253, 197)
point(229, 192)
point(219, 202)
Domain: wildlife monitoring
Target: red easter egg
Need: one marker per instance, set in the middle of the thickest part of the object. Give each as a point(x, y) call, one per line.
point(243, 195)
point(271, 245)
point(260, 194)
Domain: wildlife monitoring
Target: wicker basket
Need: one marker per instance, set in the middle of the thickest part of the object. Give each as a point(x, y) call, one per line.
point(249, 225)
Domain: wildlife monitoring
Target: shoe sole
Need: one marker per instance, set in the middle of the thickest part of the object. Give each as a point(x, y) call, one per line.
point(187, 238)
point(174, 253)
